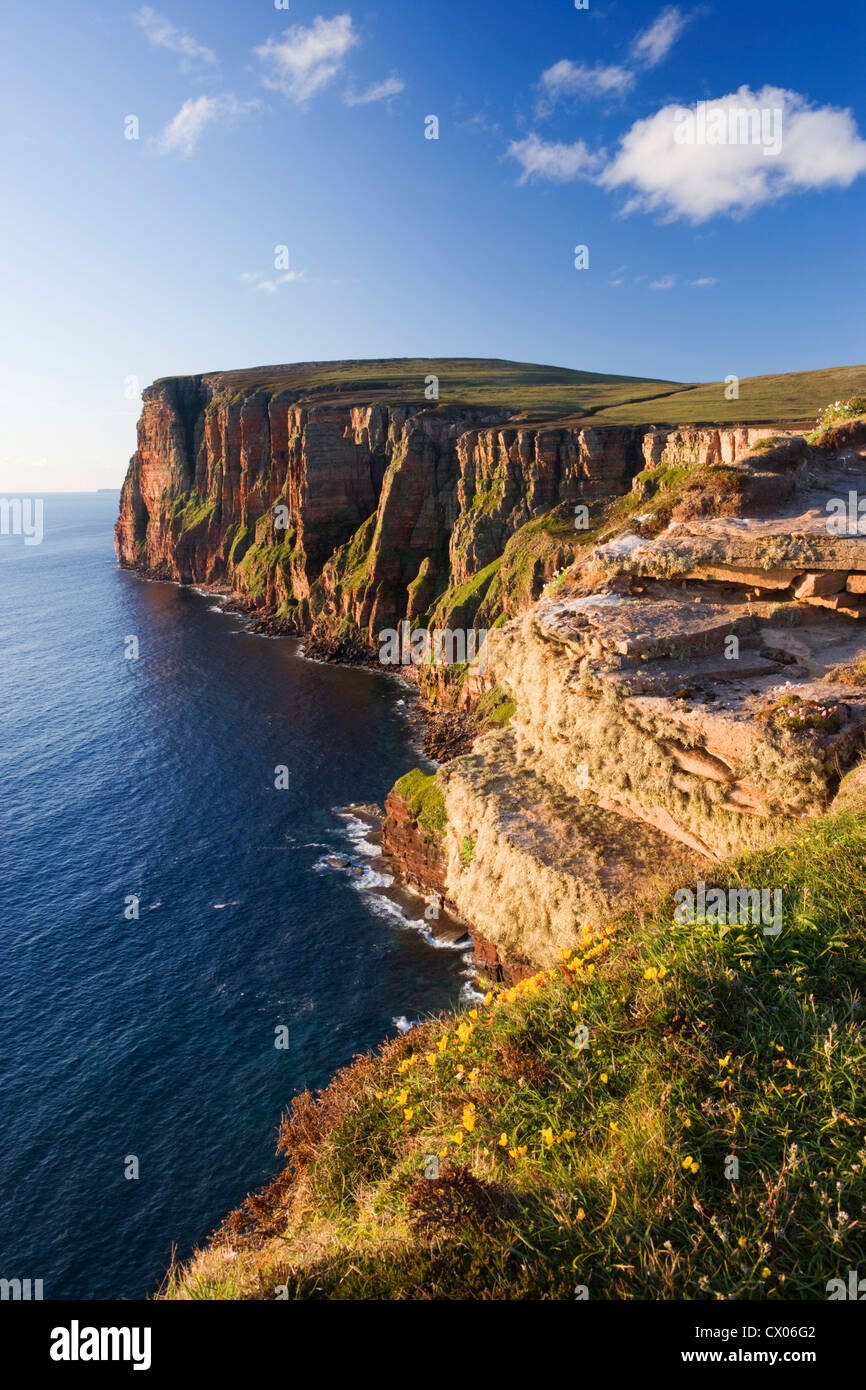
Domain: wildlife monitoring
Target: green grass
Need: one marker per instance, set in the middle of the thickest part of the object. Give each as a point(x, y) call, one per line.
point(562, 1166)
point(190, 511)
point(543, 392)
point(459, 604)
point(258, 562)
point(495, 708)
point(426, 802)
point(792, 397)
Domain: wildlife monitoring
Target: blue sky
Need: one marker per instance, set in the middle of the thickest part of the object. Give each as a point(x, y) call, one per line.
point(127, 259)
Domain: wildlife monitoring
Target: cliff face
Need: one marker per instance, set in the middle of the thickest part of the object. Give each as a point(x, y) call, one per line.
point(621, 738)
point(693, 689)
point(349, 518)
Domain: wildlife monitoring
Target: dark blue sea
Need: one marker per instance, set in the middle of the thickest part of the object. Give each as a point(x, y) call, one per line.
point(154, 779)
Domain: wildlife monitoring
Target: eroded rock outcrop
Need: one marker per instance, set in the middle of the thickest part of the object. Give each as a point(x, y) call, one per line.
point(684, 696)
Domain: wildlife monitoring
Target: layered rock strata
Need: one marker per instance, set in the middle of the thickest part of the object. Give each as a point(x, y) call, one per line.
point(323, 515)
point(682, 697)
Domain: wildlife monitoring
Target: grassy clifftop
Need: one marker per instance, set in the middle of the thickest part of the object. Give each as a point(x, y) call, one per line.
point(792, 397)
point(706, 1142)
point(543, 394)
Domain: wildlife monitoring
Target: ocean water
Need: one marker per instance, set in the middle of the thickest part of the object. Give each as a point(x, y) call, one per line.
point(154, 778)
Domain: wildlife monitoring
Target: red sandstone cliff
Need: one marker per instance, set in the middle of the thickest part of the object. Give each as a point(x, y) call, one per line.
point(386, 505)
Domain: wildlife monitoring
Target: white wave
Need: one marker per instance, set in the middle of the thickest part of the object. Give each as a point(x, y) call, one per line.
point(469, 995)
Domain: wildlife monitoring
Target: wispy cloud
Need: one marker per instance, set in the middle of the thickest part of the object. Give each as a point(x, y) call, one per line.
point(575, 80)
point(480, 123)
point(655, 43)
point(704, 282)
point(254, 279)
point(184, 130)
point(557, 162)
point(304, 61)
point(161, 33)
point(820, 147)
point(378, 91)
point(667, 282)
point(578, 81)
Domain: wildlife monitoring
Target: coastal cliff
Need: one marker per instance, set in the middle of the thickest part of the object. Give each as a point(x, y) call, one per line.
point(344, 519)
point(671, 715)
point(615, 740)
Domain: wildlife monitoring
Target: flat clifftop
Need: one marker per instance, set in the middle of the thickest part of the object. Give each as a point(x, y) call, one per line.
point(535, 392)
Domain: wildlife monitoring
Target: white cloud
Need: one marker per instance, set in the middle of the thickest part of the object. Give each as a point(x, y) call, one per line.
point(667, 282)
point(161, 33)
point(704, 282)
point(304, 61)
point(567, 79)
point(819, 148)
point(271, 286)
point(379, 91)
point(184, 130)
point(557, 162)
point(654, 43)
